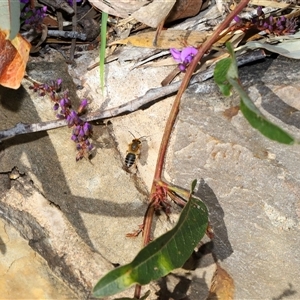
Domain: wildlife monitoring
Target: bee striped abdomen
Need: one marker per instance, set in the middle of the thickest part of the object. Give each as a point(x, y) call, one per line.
point(130, 160)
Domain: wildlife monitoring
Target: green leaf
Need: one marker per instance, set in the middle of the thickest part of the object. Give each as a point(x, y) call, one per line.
point(226, 76)
point(257, 119)
point(10, 17)
point(220, 78)
point(193, 185)
point(160, 257)
point(267, 128)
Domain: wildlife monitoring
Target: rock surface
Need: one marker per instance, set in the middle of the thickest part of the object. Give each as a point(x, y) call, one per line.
point(76, 215)
point(249, 183)
point(24, 272)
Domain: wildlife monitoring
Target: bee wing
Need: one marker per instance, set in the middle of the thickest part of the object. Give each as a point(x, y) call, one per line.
point(143, 156)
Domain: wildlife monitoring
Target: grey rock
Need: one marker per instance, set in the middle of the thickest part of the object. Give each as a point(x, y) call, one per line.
point(249, 183)
point(75, 215)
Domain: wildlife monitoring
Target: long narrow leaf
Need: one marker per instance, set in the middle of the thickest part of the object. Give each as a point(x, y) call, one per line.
point(267, 128)
point(226, 76)
point(160, 257)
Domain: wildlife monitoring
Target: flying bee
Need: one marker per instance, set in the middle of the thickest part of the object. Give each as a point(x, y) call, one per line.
point(133, 152)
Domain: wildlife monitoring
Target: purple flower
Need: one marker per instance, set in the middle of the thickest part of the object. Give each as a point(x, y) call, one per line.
point(89, 145)
point(72, 118)
point(277, 26)
point(237, 19)
point(56, 106)
point(34, 17)
point(62, 103)
point(87, 128)
point(82, 106)
point(74, 138)
point(184, 57)
point(81, 132)
point(59, 82)
point(176, 54)
point(24, 1)
point(259, 11)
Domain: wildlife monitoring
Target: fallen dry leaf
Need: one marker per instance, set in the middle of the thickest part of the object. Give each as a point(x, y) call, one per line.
point(184, 9)
point(271, 3)
point(13, 59)
point(167, 39)
point(119, 8)
point(222, 286)
point(154, 13)
point(230, 112)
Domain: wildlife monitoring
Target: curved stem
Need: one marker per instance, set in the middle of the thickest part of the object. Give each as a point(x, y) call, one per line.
point(175, 108)
point(172, 117)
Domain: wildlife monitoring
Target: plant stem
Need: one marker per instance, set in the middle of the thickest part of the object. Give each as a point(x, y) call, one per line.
point(175, 108)
point(172, 117)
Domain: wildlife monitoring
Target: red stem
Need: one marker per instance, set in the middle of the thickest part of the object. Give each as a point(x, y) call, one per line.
point(172, 117)
point(175, 108)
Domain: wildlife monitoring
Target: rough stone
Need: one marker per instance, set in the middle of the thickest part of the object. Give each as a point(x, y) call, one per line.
point(88, 199)
point(76, 215)
point(22, 269)
point(249, 183)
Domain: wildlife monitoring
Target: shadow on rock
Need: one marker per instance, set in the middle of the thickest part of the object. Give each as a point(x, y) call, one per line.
point(286, 293)
point(176, 287)
point(221, 245)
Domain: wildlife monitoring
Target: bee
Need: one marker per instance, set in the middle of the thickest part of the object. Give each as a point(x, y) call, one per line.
point(134, 149)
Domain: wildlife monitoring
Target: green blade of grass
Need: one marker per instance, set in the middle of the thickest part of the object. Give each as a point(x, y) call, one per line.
point(103, 48)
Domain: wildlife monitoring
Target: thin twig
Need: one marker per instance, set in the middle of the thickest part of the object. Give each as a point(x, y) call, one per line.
point(74, 28)
point(152, 95)
point(67, 34)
